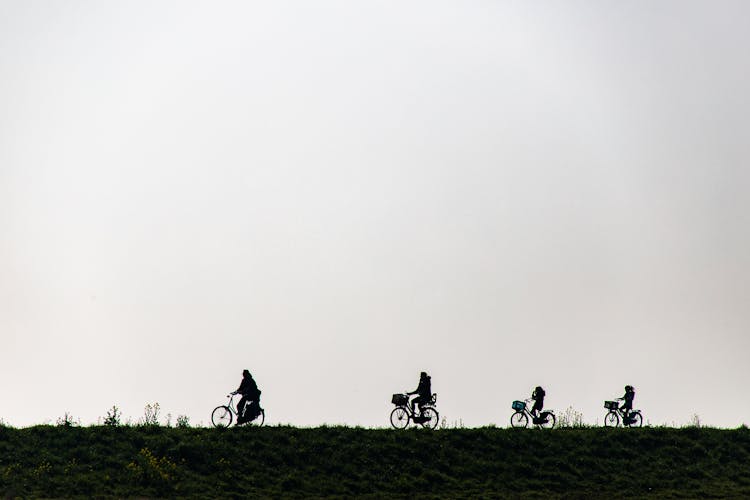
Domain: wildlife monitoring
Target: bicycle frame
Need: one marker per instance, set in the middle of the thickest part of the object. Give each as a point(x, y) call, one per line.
point(528, 414)
point(232, 406)
point(233, 409)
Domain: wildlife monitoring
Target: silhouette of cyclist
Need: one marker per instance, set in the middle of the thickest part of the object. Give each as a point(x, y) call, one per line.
point(250, 394)
point(538, 397)
point(628, 398)
point(424, 392)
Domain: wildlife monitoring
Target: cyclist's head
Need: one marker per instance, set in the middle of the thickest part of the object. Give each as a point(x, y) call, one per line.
point(628, 388)
point(539, 389)
point(245, 373)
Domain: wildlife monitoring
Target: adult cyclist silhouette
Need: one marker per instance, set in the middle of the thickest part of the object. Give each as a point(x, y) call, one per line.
point(423, 392)
point(250, 394)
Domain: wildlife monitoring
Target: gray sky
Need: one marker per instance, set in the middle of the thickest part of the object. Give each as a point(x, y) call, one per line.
point(337, 195)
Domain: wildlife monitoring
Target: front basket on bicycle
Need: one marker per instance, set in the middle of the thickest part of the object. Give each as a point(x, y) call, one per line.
point(400, 399)
point(611, 405)
point(518, 405)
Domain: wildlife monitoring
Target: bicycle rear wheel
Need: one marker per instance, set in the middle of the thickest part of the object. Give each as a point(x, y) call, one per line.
point(431, 418)
point(548, 420)
point(519, 419)
point(258, 421)
point(399, 417)
point(611, 419)
point(221, 416)
point(636, 420)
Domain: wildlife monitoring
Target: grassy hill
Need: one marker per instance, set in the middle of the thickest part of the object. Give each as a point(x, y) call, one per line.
point(152, 461)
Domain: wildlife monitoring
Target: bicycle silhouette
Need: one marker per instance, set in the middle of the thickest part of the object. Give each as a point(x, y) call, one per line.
point(223, 415)
point(615, 413)
point(520, 418)
point(402, 413)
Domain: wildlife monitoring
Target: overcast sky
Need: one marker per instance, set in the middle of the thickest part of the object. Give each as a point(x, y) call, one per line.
point(338, 195)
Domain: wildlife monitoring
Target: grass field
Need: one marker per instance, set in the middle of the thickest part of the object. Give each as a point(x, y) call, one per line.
point(155, 461)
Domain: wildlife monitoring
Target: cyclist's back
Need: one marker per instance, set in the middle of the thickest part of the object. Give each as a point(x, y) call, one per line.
point(628, 399)
point(538, 396)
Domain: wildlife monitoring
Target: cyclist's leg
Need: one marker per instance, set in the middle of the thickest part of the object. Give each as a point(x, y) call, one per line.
point(536, 409)
point(414, 402)
point(241, 409)
point(626, 409)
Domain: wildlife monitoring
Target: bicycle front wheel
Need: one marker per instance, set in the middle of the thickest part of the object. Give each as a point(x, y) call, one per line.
point(399, 417)
point(221, 416)
point(611, 419)
point(519, 419)
point(431, 418)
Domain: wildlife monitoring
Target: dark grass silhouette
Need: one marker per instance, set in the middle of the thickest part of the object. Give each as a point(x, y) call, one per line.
point(152, 461)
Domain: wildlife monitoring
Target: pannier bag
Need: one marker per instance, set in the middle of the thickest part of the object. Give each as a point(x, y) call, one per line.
point(519, 405)
point(400, 399)
point(611, 405)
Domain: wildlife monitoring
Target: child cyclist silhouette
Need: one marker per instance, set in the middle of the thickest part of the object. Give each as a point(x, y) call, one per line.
point(628, 398)
point(538, 397)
